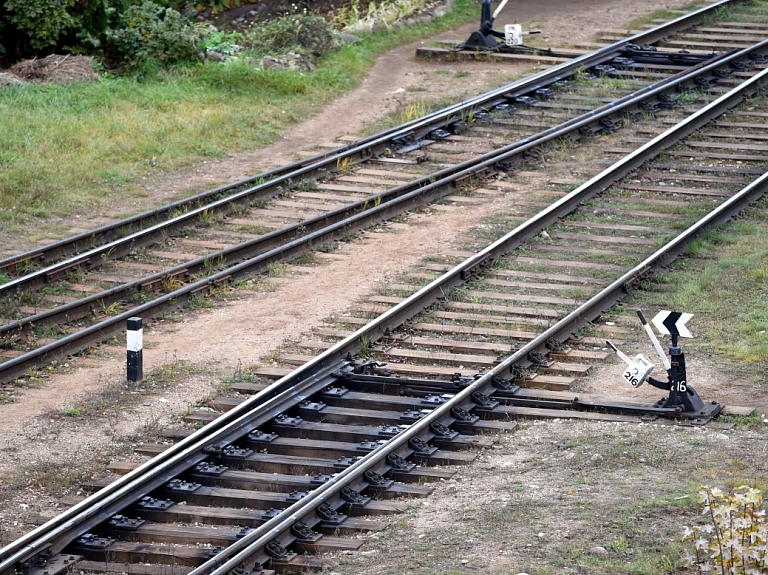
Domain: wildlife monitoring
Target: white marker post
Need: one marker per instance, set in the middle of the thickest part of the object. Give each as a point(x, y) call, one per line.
point(134, 340)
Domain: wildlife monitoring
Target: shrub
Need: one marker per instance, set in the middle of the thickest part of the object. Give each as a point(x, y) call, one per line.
point(307, 34)
point(137, 30)
point(363, 15)
point(152, 33)
point(42, 22)
point(226, 43)
point(736, 540)
point(217, 6)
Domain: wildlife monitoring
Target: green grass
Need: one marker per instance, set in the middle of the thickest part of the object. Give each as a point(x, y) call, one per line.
point(754, 420)
point(666, 14)
point(728, 295)
point(66, 149)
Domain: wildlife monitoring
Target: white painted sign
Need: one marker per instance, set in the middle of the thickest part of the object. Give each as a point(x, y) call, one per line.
point(513, 35)
point(672, 323)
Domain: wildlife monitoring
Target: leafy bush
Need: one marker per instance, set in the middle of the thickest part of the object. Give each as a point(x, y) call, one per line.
point(225, 43)
point(150, 32)
point(41, 21)
point(306, 34)
point(736, 540)
point(364, 15)
point(136, 30)
point(216, 6)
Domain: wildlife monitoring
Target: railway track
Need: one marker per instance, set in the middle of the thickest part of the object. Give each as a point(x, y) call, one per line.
point(63, 298)
point(286, 469)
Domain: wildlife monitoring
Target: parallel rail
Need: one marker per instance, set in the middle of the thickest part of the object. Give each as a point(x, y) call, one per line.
point(255, 256)
point(263, 544)
point(120, 237)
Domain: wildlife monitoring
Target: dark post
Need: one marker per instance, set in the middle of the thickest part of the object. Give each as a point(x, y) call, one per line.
point(677, 377)
point(135, 342)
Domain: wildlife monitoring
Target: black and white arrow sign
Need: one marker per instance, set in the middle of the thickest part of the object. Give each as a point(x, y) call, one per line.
point(672, 323)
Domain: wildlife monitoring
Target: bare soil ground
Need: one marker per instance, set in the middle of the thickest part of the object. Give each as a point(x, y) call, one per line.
point(539, 501)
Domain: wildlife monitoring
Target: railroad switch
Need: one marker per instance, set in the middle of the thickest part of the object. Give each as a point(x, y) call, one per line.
point(486, 38)
point(510, 41)
point(683, 402)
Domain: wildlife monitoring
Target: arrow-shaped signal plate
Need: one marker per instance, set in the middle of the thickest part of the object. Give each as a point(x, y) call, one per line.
point(672, 323)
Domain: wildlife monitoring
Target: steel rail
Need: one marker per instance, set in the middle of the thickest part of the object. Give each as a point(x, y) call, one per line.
point(69, 312)
point(182, 455)
point(360, 149)
point(56, 533)
point(239, 553)
point(347, 219)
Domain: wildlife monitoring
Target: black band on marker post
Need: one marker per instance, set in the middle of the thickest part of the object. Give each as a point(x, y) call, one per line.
point(134, 341)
